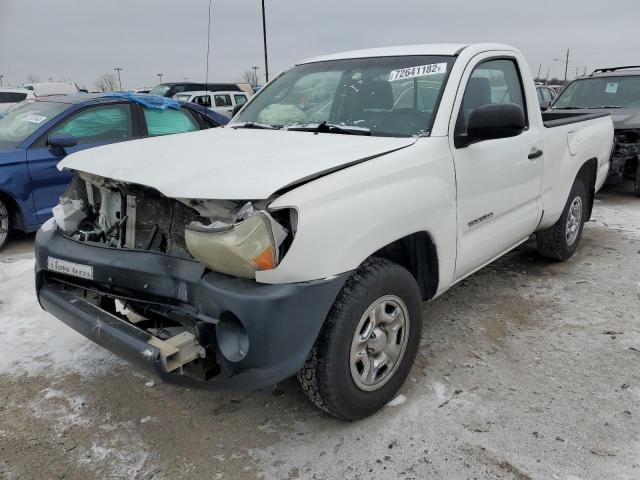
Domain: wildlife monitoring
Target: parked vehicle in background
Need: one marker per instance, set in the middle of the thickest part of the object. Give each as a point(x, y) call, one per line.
point(55, 88)
point(36, 134)
point(247, 88)
point(545, 96)
point(170, 89)
point(10, 96)
point(223, 103)
point(142, 90)
point(556, 88)
point(349, 189)
point(616, 91)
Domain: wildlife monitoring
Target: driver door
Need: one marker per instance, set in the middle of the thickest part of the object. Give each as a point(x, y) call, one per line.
point(498, 180)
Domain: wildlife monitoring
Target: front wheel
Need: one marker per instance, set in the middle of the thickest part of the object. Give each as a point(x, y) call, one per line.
point(560, 241)
point(636, 184)
point(5, 223)
point(367, 344)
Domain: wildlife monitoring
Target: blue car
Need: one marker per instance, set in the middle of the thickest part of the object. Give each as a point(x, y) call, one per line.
point(36, 134)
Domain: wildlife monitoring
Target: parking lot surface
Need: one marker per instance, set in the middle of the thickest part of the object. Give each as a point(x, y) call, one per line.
point(527, 370)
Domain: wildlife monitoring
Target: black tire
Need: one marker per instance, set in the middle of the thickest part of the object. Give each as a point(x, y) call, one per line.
point(553, 242)
point(636, 183)
point(326, 377)
point(5, 223)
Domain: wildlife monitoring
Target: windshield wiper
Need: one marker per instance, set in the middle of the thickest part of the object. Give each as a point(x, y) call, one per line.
point(605, 106)
point(255, 125)
point(325, 127)
point(568, 108)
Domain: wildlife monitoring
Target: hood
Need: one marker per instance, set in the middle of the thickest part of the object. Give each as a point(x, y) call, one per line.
point(229, 164)
point(623, 118)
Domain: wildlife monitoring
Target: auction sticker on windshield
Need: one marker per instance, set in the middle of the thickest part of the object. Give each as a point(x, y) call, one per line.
point(70, 268)
point(417, 71)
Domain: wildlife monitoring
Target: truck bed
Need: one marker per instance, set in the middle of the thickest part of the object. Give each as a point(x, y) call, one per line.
point(556, 118)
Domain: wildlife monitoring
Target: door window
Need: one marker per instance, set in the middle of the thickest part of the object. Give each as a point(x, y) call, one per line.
point(169, 121)
point(222, 100)
point(240, 99)
point(204, 100)
point(492, 82)
point(98, 124)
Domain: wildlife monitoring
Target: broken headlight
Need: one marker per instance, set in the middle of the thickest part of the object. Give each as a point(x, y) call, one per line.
point(238, 249)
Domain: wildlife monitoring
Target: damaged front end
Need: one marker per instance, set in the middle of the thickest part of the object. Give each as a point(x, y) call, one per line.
point(170, 283)
point(625, 155)
point(237, 238)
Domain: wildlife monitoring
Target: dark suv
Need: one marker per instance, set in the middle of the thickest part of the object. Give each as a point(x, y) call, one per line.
point(616, 91)
point(170, 89)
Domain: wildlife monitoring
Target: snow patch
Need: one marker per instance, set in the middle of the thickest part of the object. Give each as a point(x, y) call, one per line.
point(32, 341)
point(399, 400)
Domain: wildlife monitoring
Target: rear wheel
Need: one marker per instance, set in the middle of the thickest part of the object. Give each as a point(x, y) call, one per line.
point(636, 184)
point(368, 343)
point(560, 241)
point(5, 223)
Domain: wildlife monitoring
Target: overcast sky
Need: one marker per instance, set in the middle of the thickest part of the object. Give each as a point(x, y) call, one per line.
point(81, 39)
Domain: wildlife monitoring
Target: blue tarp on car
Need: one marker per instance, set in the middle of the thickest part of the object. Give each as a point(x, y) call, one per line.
point(149, 101)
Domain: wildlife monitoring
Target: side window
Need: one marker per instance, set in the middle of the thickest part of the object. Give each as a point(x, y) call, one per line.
point(240, 99)
point(98, 124)
point(492, 82)
point(166, 122)
point(546, 95)
point(204, 100)
point(222, 100)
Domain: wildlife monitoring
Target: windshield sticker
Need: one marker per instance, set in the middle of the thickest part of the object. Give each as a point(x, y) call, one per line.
point(611, 88)
point(417, 71)
point(33, 118)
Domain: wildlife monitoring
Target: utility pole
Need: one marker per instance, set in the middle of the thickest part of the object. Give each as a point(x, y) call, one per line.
point(50, 79)
point(255, 76)
point(577, 70)
point(546, 80)
point(264, 40)
point(160, 76)
point(584, 73)
point(539, 68)
point(119, 69)
point(1, 77)
point(566, 64)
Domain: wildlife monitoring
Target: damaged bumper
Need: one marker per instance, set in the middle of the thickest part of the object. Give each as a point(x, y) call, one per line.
point(242, 335)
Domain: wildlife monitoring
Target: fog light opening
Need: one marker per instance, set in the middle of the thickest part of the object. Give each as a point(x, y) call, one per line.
point(232, 337)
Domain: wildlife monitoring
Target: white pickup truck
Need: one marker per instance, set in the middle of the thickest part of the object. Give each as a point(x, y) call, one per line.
point(302, 238)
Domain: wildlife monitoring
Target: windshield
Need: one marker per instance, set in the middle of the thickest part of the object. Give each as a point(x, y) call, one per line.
point(25, 118)
point(601, 92)
point(386, 96)
point(160, 89)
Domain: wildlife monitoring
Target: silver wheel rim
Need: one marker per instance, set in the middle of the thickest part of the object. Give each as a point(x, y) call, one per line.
point(574, 220)
point(4, 223)
point(379, 343)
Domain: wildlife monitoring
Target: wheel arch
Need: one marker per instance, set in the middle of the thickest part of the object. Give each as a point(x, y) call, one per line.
point(15, 212)
point(417, 253)
point(588, 174)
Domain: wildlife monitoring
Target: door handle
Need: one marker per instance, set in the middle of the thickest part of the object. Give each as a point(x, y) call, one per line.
point(535, 153)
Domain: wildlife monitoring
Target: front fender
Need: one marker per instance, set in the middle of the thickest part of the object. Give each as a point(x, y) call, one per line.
point(346, 216)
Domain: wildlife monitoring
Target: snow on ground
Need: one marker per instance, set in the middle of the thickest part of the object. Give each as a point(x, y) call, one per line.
point(32, 341)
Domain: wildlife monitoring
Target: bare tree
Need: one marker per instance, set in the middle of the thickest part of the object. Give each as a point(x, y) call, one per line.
point(32, 78)
point(107, 82)
point(251, 77)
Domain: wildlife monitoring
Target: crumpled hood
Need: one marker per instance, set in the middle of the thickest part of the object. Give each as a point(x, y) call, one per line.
point(228, 164)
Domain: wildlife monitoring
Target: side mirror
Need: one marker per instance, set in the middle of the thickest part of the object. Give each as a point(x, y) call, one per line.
point(236, 109)
point(544, 105)
point(493, 121)
point(59, 141)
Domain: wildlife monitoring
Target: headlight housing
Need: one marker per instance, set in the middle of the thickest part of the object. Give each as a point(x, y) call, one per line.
point(239, 249)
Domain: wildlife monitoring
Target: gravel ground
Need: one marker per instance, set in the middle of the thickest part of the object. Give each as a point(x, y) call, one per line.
point(527, 370)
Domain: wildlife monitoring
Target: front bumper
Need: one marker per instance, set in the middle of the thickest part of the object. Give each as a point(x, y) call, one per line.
point(280, 322)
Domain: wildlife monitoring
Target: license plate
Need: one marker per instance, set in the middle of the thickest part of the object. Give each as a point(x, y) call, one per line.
point(70, 268)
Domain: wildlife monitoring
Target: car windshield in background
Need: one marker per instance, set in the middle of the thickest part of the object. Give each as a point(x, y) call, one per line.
point(601, 92)
point(25, 118)
point(381, 96)
point(160, 89)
